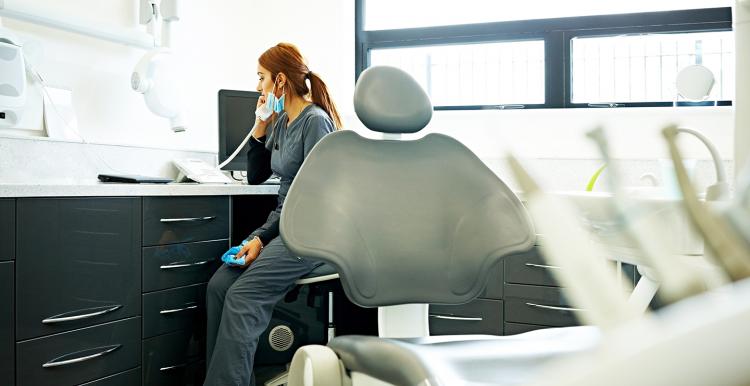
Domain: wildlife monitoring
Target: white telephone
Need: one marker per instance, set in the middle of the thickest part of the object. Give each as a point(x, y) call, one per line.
point(200, 171)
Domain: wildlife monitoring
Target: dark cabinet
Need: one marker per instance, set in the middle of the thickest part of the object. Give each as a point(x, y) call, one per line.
point(78, 263)
point(175, 309)
point(177, 265)
point(519, 328)
point(170, 220)
point(529, 268)
point(483, 315)
point(539, 305)
point(7, 349)
point(7, 229)
point(125, 378)
point(480, 316)
point(79, 356)
point(175, 359)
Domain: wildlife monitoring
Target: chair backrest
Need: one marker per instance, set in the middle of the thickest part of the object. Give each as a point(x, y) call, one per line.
point(417, 221)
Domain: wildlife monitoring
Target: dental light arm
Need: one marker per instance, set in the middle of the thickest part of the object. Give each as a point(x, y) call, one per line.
point(155, 75)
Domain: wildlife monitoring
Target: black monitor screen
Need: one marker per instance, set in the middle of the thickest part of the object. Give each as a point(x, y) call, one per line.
point(236, 118)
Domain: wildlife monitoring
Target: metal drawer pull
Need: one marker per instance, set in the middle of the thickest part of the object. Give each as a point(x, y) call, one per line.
point(63, 318)
point(188, 219)
point(183, 265)
point(456, 318)
point(167, 368)
point(173, 310)
point(555, 308)
point(545, 266)
point(59, 361)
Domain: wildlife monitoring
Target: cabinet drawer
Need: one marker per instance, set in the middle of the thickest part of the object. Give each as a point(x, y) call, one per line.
point(168, 358)
point(477, 317)
point(7, 348)
point(529, 268)
point(170, 220)
point(539, 305)
point(79, 356)
point(7, 229)
point(78, 263)
point(520, 328)
point(126, 378)
point(175, 309)
point(181, 264)
point(494, 288)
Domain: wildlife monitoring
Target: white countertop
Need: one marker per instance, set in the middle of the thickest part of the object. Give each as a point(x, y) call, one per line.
point(99, 189)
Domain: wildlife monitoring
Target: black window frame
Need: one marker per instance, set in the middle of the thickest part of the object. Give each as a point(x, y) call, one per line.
point(557, 34)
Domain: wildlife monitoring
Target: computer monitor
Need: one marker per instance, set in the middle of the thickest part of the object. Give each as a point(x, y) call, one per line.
point(236, 118)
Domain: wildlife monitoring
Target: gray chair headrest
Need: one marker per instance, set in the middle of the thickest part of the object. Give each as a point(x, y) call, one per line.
point(389, 100)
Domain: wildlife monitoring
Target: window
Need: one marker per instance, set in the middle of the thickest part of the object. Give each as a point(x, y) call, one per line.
point(473, 74)
point(480, 55)
point(396, 14)
point(642, 68)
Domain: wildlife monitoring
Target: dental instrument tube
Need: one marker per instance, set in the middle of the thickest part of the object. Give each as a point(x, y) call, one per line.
point(589, 283)
point(725, 245)
point(677, 280)
point(741, 19)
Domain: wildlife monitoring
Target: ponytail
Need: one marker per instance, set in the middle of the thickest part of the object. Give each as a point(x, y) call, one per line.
point(321, 97)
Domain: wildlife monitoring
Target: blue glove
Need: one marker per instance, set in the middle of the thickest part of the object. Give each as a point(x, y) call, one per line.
point(228, 257)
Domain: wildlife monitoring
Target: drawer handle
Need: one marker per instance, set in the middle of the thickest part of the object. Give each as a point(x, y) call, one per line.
point(167, 368)
point(183, 265)
point(187, 219)
point(545, 266)
point(174, 310)
point(555, 308)
point(60, 361)
point(64, 318)
point(470, 319)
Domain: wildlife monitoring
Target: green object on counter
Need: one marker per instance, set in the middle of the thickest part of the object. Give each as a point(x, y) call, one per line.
point(592, 180)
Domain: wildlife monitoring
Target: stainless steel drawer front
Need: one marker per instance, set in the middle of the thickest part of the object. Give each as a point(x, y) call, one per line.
point(171, 220)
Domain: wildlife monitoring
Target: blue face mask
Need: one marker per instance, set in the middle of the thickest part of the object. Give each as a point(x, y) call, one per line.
point(273, 103)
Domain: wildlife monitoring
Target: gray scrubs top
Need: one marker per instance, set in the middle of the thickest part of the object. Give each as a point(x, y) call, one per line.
point(289, 145)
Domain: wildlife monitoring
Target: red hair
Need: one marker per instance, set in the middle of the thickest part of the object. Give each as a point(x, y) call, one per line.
point(286, 58)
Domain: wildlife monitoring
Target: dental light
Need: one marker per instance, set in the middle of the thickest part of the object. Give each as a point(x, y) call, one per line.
point(155, 75)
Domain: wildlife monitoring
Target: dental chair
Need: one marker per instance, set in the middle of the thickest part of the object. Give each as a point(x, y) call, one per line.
point(411, 222)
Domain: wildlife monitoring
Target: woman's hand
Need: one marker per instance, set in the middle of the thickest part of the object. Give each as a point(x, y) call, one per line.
point(260, 125)
point(249, 252)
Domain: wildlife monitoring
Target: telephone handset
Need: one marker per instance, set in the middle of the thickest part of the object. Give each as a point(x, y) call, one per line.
point(200, 171)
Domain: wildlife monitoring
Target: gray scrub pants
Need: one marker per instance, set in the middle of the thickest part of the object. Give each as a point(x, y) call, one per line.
point(239, 303)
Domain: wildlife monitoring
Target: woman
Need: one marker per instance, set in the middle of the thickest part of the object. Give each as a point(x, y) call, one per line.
point(240, 298)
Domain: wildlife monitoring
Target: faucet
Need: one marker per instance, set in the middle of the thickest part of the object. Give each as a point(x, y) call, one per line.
point(720, 190)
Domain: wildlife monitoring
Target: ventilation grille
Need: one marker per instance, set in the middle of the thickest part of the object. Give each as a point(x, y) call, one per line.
point(281, 338)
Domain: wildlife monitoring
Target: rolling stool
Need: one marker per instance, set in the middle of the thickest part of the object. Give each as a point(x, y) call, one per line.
point(281, 337)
